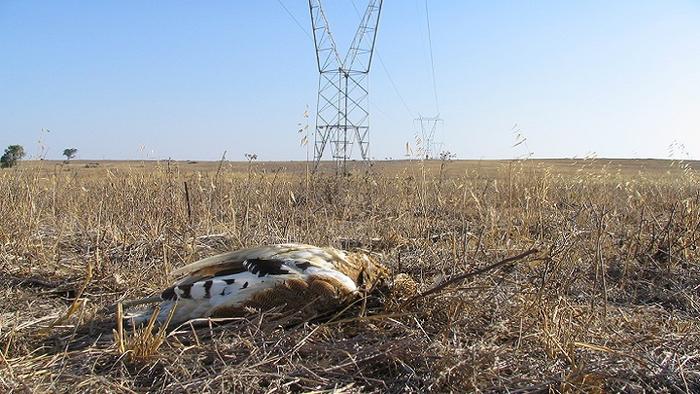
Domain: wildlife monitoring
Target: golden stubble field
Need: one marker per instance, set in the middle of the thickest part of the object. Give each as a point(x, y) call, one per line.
point(610, 302)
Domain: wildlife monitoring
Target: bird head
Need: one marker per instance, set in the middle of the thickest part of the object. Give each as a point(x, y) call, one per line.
point(372, 273)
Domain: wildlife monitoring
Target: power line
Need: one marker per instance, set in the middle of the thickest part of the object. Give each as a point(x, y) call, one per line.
point(381, 61)
point(295, 19)
point(396, 89)
point(386, 70)
point(432, 61)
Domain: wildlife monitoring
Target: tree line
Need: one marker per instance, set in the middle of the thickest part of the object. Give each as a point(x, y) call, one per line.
point(14, 153)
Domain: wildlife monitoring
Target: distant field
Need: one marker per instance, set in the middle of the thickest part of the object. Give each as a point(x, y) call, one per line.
point(393, 167)
point(610, 301)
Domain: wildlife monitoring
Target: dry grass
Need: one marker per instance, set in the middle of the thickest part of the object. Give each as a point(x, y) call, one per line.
point(611, 302)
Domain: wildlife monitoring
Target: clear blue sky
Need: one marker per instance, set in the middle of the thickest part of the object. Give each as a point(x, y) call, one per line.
point(188, 80)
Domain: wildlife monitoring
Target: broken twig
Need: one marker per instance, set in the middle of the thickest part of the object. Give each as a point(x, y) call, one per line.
point(467, 275)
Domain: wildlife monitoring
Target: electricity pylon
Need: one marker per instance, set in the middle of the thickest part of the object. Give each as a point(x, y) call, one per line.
point(426, 128)
point(342, 111)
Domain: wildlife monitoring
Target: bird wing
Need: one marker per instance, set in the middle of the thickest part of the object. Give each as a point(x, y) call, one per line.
point(232, 262)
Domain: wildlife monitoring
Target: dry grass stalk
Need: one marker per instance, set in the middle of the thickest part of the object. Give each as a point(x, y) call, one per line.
point(143, 343)
point(74, 306)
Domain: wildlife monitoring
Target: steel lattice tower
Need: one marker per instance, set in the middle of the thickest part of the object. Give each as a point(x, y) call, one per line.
point(342, 116)
point(426, 128)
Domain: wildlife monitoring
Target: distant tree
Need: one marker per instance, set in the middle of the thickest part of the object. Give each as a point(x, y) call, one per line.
point(13, 154)
point(69, 153)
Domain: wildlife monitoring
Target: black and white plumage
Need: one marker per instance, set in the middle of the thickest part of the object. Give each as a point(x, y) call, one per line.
point(289, 276)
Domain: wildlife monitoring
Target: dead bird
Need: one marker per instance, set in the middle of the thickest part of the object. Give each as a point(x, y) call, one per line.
point(289, 276)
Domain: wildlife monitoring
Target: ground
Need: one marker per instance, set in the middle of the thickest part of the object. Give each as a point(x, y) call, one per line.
point(609, 302)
